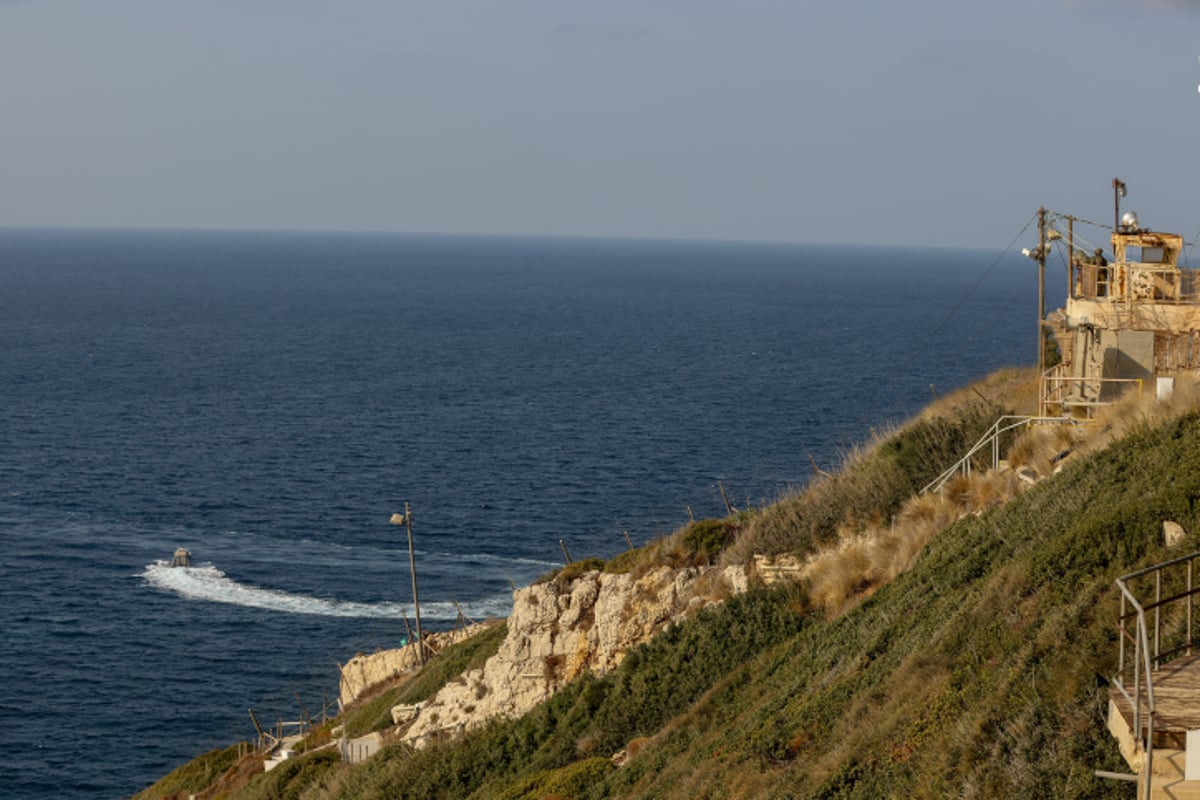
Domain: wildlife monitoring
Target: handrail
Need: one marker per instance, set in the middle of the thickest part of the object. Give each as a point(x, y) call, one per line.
point(1147, 657)
point(992, 438)
point(1056, 384)
point(1142, 646)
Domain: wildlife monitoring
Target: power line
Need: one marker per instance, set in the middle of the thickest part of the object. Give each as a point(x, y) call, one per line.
point(982, 278)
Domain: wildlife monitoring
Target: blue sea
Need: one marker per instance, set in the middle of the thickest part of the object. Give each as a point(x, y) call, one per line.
point(269, 400)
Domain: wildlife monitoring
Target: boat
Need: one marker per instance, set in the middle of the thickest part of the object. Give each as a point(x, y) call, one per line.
point(182, 558)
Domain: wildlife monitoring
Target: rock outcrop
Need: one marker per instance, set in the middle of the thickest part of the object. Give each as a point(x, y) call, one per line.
point(362, 672)
point(560, 629)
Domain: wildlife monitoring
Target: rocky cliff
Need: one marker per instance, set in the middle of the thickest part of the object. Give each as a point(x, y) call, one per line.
point(558, 630)
point(361, 673)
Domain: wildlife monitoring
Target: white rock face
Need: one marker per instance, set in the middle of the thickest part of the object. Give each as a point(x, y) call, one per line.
point(362, 672)
point(557, 633)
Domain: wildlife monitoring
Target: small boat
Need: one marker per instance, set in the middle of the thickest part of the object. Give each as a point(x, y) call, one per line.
point(182, 558)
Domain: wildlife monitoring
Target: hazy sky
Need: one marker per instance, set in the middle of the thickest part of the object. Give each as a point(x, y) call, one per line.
point(927, 121)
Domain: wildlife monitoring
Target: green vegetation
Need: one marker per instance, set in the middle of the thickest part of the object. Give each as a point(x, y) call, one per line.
point(979, 672)
point(196, 775)
point(564, 576)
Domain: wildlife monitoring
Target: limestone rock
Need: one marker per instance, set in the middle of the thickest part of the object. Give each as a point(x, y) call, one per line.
point(365, 671)
point(773, 569)
point(1173, 533)
point(556, 633)
point(1027, 475)
point(405, 713)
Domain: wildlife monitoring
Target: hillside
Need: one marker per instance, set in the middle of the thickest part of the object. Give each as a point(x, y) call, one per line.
point(977, 668)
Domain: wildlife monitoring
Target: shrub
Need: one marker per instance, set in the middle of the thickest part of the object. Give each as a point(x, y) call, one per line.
point(707, 537)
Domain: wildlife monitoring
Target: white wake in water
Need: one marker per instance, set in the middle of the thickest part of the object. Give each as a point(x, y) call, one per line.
point(211, 584)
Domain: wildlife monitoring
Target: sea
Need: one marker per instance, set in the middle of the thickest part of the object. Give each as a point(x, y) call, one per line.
point(269, 400)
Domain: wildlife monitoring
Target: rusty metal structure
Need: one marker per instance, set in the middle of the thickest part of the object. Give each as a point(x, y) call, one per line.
point(1131, 319)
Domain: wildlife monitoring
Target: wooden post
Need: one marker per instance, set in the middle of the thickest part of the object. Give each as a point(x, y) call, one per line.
point(729, 509)
point(304, 711)
point(257, 727)
point(566, 552)
point(411, 639)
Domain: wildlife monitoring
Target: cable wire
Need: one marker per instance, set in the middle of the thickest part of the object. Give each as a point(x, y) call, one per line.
point(982, 278)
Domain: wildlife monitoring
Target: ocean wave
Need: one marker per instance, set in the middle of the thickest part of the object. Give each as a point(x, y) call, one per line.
point(210, 584)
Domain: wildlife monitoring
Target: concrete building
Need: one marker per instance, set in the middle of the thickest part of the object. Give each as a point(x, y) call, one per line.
point(1132, 323)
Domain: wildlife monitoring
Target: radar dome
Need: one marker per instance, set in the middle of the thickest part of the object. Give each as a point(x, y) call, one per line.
point(1129, 220)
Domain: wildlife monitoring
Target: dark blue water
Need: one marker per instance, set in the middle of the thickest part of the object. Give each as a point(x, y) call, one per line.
point(267, 401)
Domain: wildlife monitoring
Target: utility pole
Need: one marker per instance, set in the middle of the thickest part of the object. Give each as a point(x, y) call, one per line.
point(1070, 256)
point(1041, 259)
point(412, 566)
point(406, 519)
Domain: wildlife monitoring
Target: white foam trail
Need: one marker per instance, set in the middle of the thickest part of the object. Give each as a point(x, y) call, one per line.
point(211, 584)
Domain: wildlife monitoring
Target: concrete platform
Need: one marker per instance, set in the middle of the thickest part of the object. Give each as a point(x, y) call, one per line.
point(1177, 700)
point(1177, 697)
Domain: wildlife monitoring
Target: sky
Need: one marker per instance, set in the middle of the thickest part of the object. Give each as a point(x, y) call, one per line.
point(927, 122)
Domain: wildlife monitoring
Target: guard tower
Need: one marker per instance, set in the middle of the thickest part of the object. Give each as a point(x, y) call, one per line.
point(1129, 323)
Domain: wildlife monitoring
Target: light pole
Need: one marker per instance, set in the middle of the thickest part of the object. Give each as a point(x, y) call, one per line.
point(1118, 193)
point(1042, 246)
point(406, 519)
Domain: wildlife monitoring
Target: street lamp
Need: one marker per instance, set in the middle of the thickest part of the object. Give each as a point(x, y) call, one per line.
point(406, 519)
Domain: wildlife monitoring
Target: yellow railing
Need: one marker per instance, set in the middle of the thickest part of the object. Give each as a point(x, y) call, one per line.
point(1090, 392)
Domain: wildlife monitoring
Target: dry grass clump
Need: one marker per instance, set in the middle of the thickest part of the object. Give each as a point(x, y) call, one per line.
point(1014, 387)
point(874, 479)
point(1137, 411)
point(866, 557)
point(1040, 448)
point(836, 574)
point(803, 518)
point(865, 560)
point(990, 489)
point(712, 587)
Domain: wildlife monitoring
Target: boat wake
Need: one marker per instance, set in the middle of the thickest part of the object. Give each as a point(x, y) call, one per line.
point(211, 584)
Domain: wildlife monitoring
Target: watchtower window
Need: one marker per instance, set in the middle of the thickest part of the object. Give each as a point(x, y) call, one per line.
point(1152, 255)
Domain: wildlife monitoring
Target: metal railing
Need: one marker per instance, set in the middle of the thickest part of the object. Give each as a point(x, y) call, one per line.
point(1149, 651)
point(990, 441)
point(1089, 392)
point(1134, 282)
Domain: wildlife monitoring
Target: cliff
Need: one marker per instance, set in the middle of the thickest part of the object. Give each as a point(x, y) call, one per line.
point(363, 673)
point(560, 629)
point(977, 670)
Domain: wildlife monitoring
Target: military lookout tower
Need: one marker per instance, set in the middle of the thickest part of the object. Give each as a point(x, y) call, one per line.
point(1132, 322)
